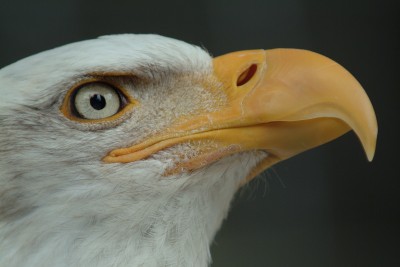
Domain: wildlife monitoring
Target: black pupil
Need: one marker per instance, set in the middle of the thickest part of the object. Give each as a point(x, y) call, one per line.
point(98, 101)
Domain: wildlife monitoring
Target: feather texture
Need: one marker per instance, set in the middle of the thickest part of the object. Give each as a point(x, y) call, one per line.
point(61, 206)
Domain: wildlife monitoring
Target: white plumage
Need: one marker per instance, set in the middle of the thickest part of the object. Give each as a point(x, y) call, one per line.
point(60, 205)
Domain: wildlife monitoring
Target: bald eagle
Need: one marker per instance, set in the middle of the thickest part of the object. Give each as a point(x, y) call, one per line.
point(127, 150)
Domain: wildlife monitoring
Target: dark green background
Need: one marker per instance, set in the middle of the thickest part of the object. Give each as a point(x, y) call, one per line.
point(326, 207)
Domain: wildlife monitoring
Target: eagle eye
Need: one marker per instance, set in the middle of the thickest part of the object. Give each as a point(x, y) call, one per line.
point(95, 102)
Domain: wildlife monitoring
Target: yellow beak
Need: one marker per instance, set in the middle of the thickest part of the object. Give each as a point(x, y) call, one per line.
point(282, 101)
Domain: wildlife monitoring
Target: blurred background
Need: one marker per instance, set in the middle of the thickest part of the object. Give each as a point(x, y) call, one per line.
point(325, 207)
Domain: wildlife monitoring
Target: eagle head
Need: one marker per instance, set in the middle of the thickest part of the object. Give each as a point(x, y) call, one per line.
point(127, 150)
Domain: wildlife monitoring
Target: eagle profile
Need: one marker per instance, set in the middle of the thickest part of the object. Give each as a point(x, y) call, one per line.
point(127, 150)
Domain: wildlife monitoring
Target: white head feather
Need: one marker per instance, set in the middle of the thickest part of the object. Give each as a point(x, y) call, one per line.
point(61, 206)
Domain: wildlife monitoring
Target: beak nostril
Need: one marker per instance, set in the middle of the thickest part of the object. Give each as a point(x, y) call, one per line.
point(246, 75)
